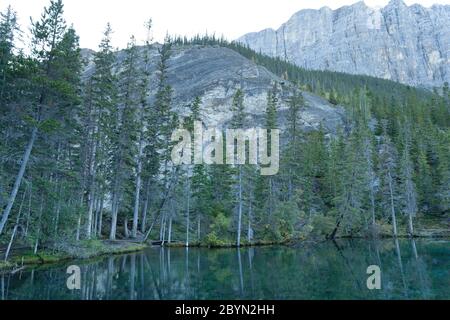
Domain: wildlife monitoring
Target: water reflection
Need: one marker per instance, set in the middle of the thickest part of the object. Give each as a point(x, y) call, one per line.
point(332, 270)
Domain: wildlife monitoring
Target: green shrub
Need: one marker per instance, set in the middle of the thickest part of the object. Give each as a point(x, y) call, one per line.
point(212, 240)
point(322, 225)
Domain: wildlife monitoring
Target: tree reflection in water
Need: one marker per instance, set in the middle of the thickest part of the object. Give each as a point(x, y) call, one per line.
point(410, 270)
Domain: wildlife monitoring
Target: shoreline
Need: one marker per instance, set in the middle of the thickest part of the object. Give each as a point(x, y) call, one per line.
point(97, 248)
point(81, 251)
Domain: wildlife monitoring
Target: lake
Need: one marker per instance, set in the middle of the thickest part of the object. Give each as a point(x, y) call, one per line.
point(417, 269)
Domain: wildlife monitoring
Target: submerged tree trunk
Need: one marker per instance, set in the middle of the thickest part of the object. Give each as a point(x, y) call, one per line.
point(414, 249)
point(400, 264)
point(132, 277)
point(23, 166)
point(241, 277)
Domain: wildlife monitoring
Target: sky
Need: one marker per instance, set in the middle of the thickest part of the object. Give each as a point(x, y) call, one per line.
point(230, 18)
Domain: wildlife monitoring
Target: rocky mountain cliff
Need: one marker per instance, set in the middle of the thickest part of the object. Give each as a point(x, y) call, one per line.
point(215, 73)
point(408, 44)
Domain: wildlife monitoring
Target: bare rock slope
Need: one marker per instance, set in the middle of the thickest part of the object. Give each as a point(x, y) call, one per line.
point(215, 73)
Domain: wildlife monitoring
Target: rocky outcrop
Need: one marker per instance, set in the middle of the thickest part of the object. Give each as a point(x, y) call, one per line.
point(215, 73)
point(408, 44)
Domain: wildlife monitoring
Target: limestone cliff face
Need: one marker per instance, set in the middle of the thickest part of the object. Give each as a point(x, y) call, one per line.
point(215, 73)
point(408, 44)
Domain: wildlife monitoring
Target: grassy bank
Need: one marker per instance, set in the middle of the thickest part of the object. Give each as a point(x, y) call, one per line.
point(69, 251)
point(225, 244)
point(428, 227)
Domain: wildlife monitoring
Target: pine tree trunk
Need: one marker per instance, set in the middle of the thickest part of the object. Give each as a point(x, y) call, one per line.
point(29, 212)
point(23, 166)
point(270, 197)
point(250, 230)
point(161, 227)
point(41, 211)
point(96, 212)
point(240, 209)
point(8, 249)
point(372, 207)
point(188, 213)
point(145, 209)
point(163, 231)
point(91, 202)
point(198, 229)
point(100, 219)
point(394, 219)
point(58, 212)
point(290, 185)
point(91, 196)
point(77, 237)
point(112, 234)
point(410, 225)
point(169, 239)
point(125, 227)
point(138, 190)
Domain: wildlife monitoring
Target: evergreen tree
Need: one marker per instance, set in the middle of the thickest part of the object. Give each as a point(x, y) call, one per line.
point(52, 92)
point(145, 160)
point(388, 165)
point(8, 33)
point(237, 122)
point(292, 152)
point(265, 190)
point(101, 98)
point(124, 135)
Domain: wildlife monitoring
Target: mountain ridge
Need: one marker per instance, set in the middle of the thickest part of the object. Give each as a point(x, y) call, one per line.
point(215, 73)
point(397, 42)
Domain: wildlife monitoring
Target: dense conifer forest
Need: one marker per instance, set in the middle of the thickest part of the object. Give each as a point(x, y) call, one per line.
point(85, 160)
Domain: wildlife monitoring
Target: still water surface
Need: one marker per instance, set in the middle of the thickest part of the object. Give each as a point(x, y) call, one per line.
point(410, 270)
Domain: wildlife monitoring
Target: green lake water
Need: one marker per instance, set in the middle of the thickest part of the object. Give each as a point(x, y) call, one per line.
point(417, 269)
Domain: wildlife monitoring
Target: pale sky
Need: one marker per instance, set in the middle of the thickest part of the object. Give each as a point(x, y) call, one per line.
point(231, 18)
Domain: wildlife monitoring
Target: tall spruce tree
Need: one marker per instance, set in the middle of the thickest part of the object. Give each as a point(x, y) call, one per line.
point(52, 87)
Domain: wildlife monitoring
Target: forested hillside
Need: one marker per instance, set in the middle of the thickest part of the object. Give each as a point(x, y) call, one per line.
point(91, 159)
